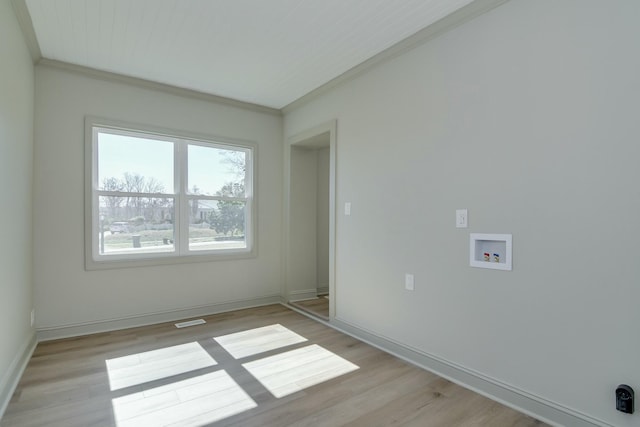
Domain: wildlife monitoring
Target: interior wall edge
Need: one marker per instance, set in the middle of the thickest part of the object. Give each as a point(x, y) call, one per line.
point(26, 25)
point(11, 377)
point(520, 400)
point(109, 325)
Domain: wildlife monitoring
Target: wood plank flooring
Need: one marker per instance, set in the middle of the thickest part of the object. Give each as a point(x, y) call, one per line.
point(317, 306)
point(225, 373)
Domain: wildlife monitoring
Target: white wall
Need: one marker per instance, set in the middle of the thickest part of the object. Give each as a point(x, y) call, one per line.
point(16, 180)
point(302, 279)
point(65, 293)
point(308, 266)
point(322, 226)
point(528, 117)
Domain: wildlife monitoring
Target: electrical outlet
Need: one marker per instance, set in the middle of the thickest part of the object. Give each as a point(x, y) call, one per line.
point(409, 282)
point(33, 317)
point(347, 208)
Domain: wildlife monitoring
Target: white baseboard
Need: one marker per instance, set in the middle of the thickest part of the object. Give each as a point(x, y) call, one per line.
point(323, 289)
point(303, 294)
point(522, 401)
point(78, 329)
point(11, 377)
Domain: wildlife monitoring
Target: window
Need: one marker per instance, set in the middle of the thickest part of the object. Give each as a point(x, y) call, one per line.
point(155, 196)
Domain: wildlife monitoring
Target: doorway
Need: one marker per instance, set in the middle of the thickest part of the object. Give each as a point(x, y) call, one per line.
point(310, 222)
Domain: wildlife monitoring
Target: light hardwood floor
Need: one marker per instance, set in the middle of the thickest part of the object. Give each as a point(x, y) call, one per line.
point(317, 306)
point(267, 366)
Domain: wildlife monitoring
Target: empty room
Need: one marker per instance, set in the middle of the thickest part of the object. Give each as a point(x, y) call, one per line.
point(319, 213)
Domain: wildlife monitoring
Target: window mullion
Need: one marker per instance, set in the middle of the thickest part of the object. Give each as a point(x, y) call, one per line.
point(219, 198)
point(131, 194)
point(182, 173)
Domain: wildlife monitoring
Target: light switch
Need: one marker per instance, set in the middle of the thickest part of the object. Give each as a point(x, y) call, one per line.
point(461, 218)
point(409, 283)
point(347, 208)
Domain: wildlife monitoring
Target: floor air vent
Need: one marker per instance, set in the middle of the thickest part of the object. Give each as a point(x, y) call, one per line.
point(190, 323)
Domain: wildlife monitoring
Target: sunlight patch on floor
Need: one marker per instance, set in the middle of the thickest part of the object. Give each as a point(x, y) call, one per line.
point(202, 399)
point(295, 370)
point(197, 401)
point(258, 340)
point(153, 365)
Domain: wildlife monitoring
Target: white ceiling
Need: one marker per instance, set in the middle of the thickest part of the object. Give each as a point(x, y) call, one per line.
point(265, 52)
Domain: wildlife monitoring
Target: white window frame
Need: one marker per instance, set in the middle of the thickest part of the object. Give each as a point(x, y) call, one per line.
point(181, 140)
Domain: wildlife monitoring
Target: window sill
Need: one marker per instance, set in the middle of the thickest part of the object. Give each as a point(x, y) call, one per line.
point(106, 264)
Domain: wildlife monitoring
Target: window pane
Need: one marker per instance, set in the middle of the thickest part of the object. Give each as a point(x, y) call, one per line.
point(132, 225)
point(162, 196)
point(216, 224)
point(131, 164)
point(214, 171)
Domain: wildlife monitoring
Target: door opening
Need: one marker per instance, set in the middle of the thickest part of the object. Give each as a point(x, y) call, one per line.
point(311, 222)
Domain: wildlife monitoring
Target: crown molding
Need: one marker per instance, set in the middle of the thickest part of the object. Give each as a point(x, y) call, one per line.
point(459, 17)
point(24, 20)
point(449, 22)
point(160, 87)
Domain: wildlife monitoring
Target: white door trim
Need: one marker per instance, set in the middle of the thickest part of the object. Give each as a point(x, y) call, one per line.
point(307, 139)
